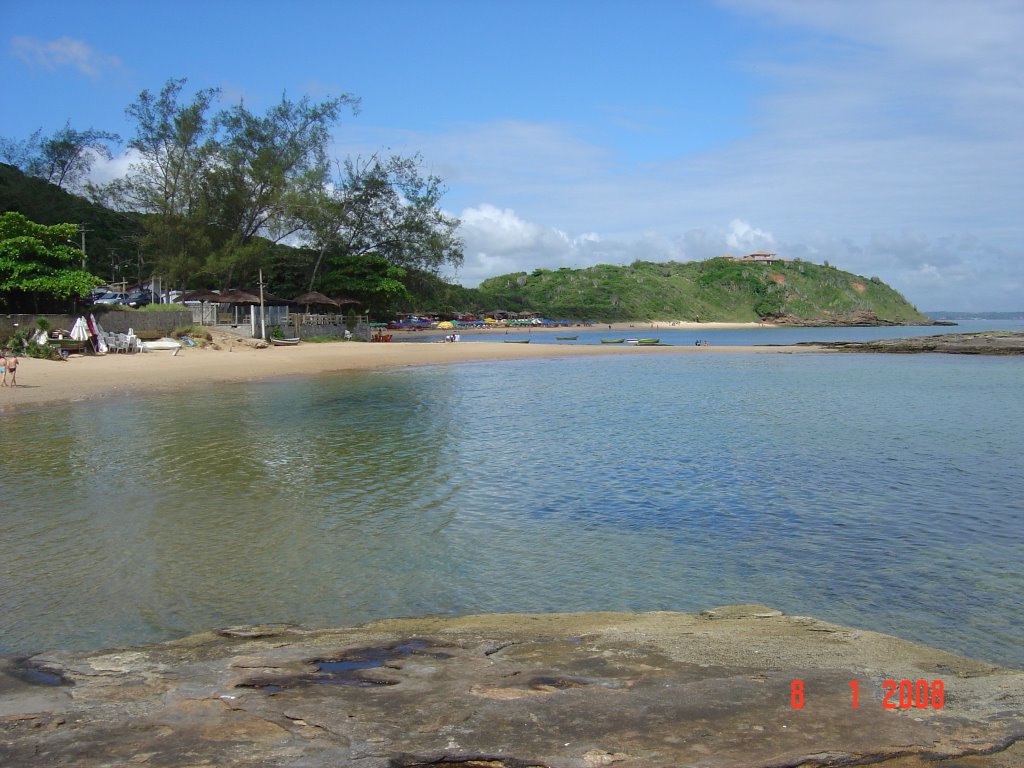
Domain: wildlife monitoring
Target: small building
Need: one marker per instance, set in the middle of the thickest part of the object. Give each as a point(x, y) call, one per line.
point(759, 257)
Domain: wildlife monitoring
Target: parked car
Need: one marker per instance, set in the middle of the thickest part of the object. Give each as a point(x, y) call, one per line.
point(140, 298)
point(112, 297)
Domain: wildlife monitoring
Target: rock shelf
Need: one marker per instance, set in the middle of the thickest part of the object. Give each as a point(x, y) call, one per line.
point(730, 687)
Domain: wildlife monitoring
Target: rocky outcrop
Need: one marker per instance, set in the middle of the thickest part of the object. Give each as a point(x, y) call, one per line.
point(735, 686)
point(836, 320)
point(985, 343)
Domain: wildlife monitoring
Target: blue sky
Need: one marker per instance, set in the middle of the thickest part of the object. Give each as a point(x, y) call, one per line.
point(884, 136)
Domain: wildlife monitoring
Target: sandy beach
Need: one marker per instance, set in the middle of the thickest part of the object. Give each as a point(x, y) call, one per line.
point(41, 382)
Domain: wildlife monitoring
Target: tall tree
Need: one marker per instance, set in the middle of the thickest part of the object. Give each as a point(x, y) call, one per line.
point(386, 207)
point(40, 266)
point(176, 147)
point(63, 159)
point(270, 167)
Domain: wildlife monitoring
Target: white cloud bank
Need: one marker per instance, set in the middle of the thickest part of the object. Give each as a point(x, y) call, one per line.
point(886, 141)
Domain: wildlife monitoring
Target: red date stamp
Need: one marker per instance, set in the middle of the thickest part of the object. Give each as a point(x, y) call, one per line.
point(896, 694)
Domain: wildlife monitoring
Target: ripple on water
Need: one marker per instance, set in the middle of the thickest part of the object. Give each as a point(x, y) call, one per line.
point(881, 492)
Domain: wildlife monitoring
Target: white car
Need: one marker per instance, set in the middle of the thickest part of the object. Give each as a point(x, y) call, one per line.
point(112, 297)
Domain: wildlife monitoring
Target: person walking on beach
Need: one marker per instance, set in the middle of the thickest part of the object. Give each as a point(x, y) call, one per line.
point(3, 367)
point(11, 367)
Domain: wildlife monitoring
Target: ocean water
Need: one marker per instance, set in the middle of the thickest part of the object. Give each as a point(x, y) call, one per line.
point(727, 337)
point(884, 492)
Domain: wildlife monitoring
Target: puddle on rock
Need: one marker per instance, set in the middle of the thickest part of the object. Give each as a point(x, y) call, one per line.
point(347, 668)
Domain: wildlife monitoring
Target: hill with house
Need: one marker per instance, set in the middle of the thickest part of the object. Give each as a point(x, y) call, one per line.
point(756, 287)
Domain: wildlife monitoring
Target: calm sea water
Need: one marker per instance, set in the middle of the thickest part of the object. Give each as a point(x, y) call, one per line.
point(730, 337)
point(885, 492)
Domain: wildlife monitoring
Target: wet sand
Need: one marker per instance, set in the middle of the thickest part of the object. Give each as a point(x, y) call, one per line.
point(41, 382)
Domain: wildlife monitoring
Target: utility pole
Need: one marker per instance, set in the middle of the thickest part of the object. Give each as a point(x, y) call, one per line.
point(263, 324)
point(83, 230)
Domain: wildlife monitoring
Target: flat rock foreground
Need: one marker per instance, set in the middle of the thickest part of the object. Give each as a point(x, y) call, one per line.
point(733, 686)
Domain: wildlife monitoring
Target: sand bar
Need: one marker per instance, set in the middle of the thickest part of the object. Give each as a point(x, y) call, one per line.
point(42, 382)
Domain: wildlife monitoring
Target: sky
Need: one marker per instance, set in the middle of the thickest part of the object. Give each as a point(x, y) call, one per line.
point(883, 136)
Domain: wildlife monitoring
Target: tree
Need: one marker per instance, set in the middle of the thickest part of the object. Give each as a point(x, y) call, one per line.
point(39, 267)
point(64, 159)
point(369, 277)
point(387, 208)
point(177, 148)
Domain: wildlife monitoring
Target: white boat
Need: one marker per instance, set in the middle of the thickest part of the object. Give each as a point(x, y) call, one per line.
point(164, 343)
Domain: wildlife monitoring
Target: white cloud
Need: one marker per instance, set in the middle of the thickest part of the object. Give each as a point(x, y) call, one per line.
point(886, 142)
point(63, 52)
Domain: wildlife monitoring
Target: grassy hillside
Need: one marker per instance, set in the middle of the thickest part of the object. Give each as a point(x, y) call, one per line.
point(714, 290)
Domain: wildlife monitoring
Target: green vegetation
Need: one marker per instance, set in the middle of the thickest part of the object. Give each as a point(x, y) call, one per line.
point(39, 268)
point(214, 195)
point(714, 290)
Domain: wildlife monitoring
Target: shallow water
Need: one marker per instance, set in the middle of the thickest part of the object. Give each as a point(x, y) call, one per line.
point(879, 491)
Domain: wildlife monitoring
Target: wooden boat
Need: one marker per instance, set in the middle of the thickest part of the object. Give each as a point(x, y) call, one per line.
point(517, 341)
point(285, 342)
point(648, 341)
point(566, 338)
point(613, 341)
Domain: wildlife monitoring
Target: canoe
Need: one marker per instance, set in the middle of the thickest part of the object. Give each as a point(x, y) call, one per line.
point(514, 341)
point(648, 341)
point(285, 342)
point(612, 341)
point(566, 338)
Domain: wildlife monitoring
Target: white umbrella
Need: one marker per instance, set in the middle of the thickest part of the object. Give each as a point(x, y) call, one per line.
point(80, 330)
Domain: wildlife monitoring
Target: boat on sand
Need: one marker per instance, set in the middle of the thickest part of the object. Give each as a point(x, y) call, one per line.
point(285, 342)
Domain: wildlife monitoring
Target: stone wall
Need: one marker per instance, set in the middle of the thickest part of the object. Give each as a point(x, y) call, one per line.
point(116, 321)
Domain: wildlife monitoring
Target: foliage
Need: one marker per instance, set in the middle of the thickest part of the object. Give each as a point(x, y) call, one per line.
point(385, 207)
point(713, 290)
point(63, 159)
point(24, 343)
point(111, 236)
point(370, 278)
point(211, 194)
point(38, 266)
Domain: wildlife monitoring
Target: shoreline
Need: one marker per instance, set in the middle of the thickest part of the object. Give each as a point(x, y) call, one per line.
point(86, 377)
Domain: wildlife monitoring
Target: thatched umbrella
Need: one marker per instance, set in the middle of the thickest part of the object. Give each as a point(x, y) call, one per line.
point(202, 296)
point(315, 297)
point(238, 297)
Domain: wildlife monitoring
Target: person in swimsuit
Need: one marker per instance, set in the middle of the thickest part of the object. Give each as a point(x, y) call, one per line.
point(3, 367)
point(11, 368)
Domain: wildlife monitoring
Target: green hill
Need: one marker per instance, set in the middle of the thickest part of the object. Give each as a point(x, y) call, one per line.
point(721, 289)
point(111, 236)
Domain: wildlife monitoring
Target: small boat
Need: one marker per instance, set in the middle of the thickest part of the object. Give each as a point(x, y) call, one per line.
point(517, 341)
point(648, 341)
point(158, 344)
point(612, 341)
point(566, 338)
point(285, 342)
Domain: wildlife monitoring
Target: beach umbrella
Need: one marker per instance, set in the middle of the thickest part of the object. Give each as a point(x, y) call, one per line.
point(237, 297)
point(80, 330)
point(202, 296)
point(315, 297)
